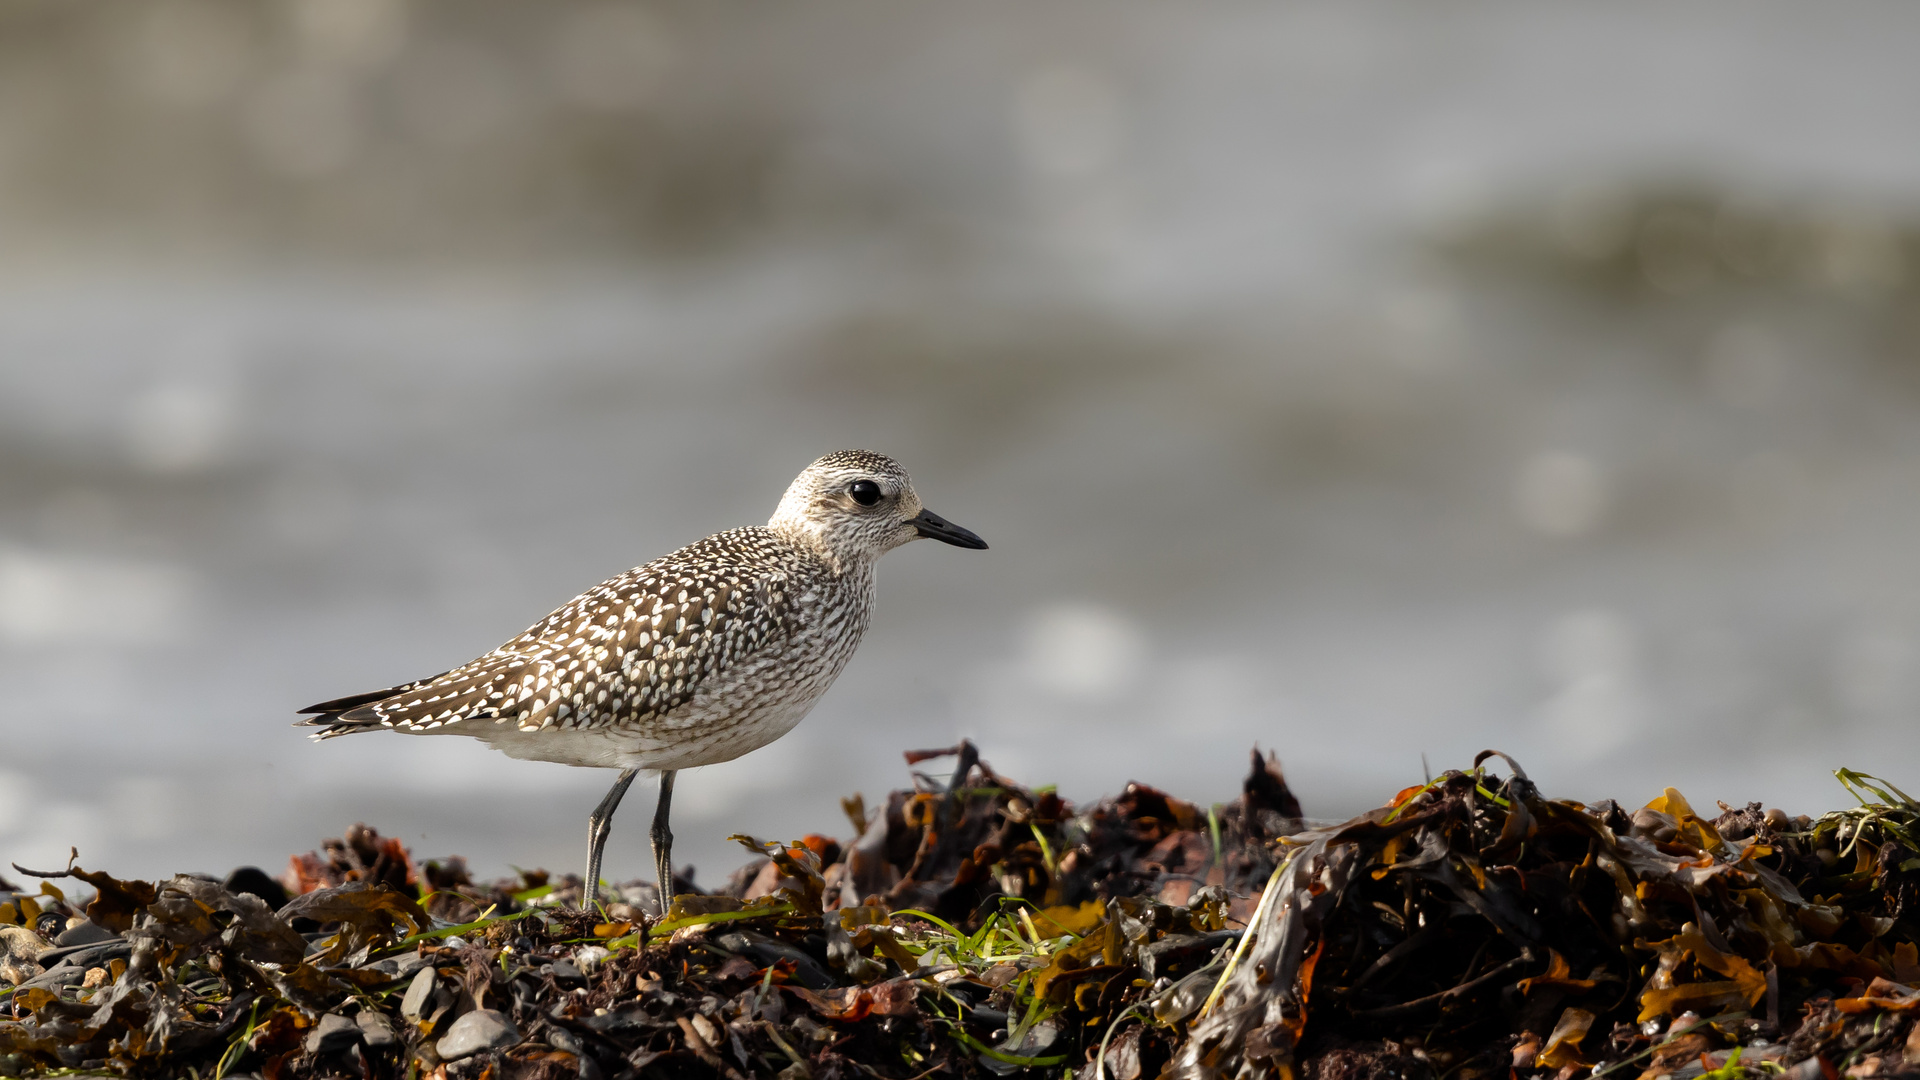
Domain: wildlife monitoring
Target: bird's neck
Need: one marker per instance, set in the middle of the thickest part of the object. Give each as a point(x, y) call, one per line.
point(804, 536)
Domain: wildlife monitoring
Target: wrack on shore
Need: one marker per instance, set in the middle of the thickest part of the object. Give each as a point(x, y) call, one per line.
point(1471, 927)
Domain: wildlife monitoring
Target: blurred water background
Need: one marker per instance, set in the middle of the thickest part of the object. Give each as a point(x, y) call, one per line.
point(1362, 381)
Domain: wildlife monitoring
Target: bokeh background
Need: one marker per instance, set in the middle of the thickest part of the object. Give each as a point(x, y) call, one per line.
point(1374, 383)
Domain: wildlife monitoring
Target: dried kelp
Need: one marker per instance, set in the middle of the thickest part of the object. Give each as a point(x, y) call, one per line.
point(972, 926)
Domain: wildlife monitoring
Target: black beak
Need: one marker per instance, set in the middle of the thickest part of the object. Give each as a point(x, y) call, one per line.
point(932, 525)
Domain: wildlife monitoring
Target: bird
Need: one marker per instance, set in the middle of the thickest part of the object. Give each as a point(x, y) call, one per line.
point(692, 659)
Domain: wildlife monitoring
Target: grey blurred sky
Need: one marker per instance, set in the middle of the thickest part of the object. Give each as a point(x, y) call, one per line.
point(1364, 381)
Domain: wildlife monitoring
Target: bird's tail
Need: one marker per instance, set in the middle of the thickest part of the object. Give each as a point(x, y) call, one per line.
point(351, 714)
point(484, 689)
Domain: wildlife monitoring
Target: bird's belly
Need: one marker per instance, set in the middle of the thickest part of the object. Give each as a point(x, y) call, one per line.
point(719, 724)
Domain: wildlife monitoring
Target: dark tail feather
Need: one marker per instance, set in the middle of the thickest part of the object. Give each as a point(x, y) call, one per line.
point(352, 701)
point(330, 714)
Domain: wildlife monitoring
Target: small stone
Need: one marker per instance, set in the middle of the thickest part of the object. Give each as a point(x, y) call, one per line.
point(641, 895)
point(20, 943)
point(376, 1030)
point(567, 975)
point(1806, 1070)
point(481, 1029)
point(334, 1034)
point(400, 967)
point(562, 1039)
point(414, 1005)
point(588, 959)
point(19, 949)
point(999, 975)
point(84, 932)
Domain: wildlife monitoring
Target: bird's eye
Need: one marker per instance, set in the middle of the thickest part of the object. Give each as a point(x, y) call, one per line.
point(864, 492)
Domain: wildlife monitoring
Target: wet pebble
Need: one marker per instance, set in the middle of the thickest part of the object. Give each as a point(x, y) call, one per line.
point(481, 1029)
point(376, 1030)
point(1806, 1070)
point(413, 1006)
point(400, 967)
point(641, 896)
point(20, 943)
point(334, 1034)
point(84, 932)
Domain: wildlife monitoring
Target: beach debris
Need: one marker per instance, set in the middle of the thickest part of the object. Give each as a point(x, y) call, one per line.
point(1470, 928)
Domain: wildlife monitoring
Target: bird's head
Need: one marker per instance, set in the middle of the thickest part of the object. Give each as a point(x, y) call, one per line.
point(855, 506)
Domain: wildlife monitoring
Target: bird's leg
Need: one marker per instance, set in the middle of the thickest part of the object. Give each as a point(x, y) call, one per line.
point(663, 842)
point(598, 825)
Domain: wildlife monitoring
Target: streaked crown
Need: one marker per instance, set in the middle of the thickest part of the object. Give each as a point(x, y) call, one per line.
point(852, 506)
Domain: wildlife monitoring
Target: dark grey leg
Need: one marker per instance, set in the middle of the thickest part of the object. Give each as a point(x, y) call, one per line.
point(663, 842)
point(598, 825)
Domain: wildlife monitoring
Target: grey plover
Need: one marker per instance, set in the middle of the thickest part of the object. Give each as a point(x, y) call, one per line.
point(692, 659)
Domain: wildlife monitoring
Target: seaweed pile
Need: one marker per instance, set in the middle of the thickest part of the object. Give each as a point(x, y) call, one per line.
point(1470, 928)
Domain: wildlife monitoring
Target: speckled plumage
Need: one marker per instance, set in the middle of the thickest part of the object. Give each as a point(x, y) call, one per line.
point(692, 659)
